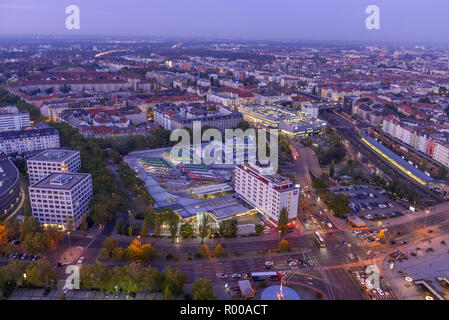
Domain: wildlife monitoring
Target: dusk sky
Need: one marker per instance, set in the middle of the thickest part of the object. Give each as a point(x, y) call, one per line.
point(400, 20)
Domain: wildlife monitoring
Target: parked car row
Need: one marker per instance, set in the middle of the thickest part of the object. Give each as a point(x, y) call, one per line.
point(20, 256)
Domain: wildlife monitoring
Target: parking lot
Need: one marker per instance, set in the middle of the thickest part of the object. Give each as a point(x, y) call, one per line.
point(372, 204)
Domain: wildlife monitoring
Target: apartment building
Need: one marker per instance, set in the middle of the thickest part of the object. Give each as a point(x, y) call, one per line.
point(61, 197)
point(268, 193)
point(29, 140)
point(50, 161)
point(12, 120)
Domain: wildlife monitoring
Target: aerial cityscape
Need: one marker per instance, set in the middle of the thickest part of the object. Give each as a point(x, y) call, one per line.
point(188, 165)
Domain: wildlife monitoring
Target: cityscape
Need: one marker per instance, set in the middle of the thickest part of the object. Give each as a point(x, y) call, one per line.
point(225, 168)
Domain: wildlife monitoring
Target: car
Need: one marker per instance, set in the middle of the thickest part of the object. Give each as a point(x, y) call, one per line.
point(81, 260)
point(236, 276)
point(404, 242)
point(46, 292)
point(65, 289)
point(23, 257)
point(430, 231)
point(117, 294)
point(59, 265)
point(379, 291)
point(292, 263)
point(223, 276)
point(392, 242)
point(107, 294)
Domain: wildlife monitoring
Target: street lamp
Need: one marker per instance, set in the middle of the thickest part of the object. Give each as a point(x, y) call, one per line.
point(425, 219)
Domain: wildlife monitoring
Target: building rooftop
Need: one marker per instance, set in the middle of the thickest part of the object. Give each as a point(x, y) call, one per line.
point(8, 174)
point(62, 181)
point(53, 155)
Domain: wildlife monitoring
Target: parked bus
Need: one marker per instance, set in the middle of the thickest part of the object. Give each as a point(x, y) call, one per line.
point(319, 239)
point(259, 276)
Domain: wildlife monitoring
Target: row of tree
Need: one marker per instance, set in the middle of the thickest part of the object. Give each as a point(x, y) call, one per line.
point(136, 251)
point(34, 238)
point(108, 199)
point(36, 275)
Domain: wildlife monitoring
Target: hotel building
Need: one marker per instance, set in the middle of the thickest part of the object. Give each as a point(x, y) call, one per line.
point(268, 193)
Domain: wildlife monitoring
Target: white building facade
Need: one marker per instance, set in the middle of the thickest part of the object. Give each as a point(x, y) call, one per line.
point(268, 193)
point(50, 161)
point(61, 197)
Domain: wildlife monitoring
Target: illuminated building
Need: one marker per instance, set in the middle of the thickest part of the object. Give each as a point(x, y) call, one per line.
point(61, 197)
point(268, 193)
point(53, 160)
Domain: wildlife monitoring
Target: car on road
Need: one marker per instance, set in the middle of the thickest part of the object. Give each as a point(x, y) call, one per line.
point(23, 257)
point(223, 276)
point(81, 260)
point(46, 292)
point(236, 276)
point(65, 289)
point(404, 242)
point(117, 294)
point(379, 291)
point(107, 294)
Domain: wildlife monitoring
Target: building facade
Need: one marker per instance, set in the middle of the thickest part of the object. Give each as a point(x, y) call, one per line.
point(268, 193)
point(29, 140)
point(54, 160)
point(61, 197)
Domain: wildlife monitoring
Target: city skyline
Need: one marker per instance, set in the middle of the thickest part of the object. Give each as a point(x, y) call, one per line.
point(321, 20)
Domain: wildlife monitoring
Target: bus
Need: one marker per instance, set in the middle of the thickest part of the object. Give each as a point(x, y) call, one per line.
point(319, 239)
point(259, 276)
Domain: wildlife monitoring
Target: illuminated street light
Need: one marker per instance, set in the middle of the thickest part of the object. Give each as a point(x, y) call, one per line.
point(408, 279)
point(429, 298)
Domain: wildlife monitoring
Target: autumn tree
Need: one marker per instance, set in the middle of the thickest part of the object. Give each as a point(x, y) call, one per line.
point(219, 251)
point(202, 290)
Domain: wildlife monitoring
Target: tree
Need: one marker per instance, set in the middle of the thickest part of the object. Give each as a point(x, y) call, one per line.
point(442, 173)
point(186, 230)
point(204, 227)
point(168, 295)
point(144, 231)
point(259, 228)
point(340, 205)
point(332, 169)
point(173, 223)
point(228, 228)
point(284, 245)
point(219, 251)
point(174, 279)
point(283, 221)
point(202, 290)
point(29, 226)
point(84, 225)
point(204, 251)
point(35, 243)
point(40, 274)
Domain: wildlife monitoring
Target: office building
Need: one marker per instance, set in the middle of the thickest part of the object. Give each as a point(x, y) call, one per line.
point(61, 197)
point(53, 160)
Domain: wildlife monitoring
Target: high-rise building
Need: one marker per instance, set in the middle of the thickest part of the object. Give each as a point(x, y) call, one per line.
point(61, 197)
point(52, 160)
point(268, 193)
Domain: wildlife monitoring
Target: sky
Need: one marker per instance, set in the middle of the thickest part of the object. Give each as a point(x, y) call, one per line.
point(400, 20)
